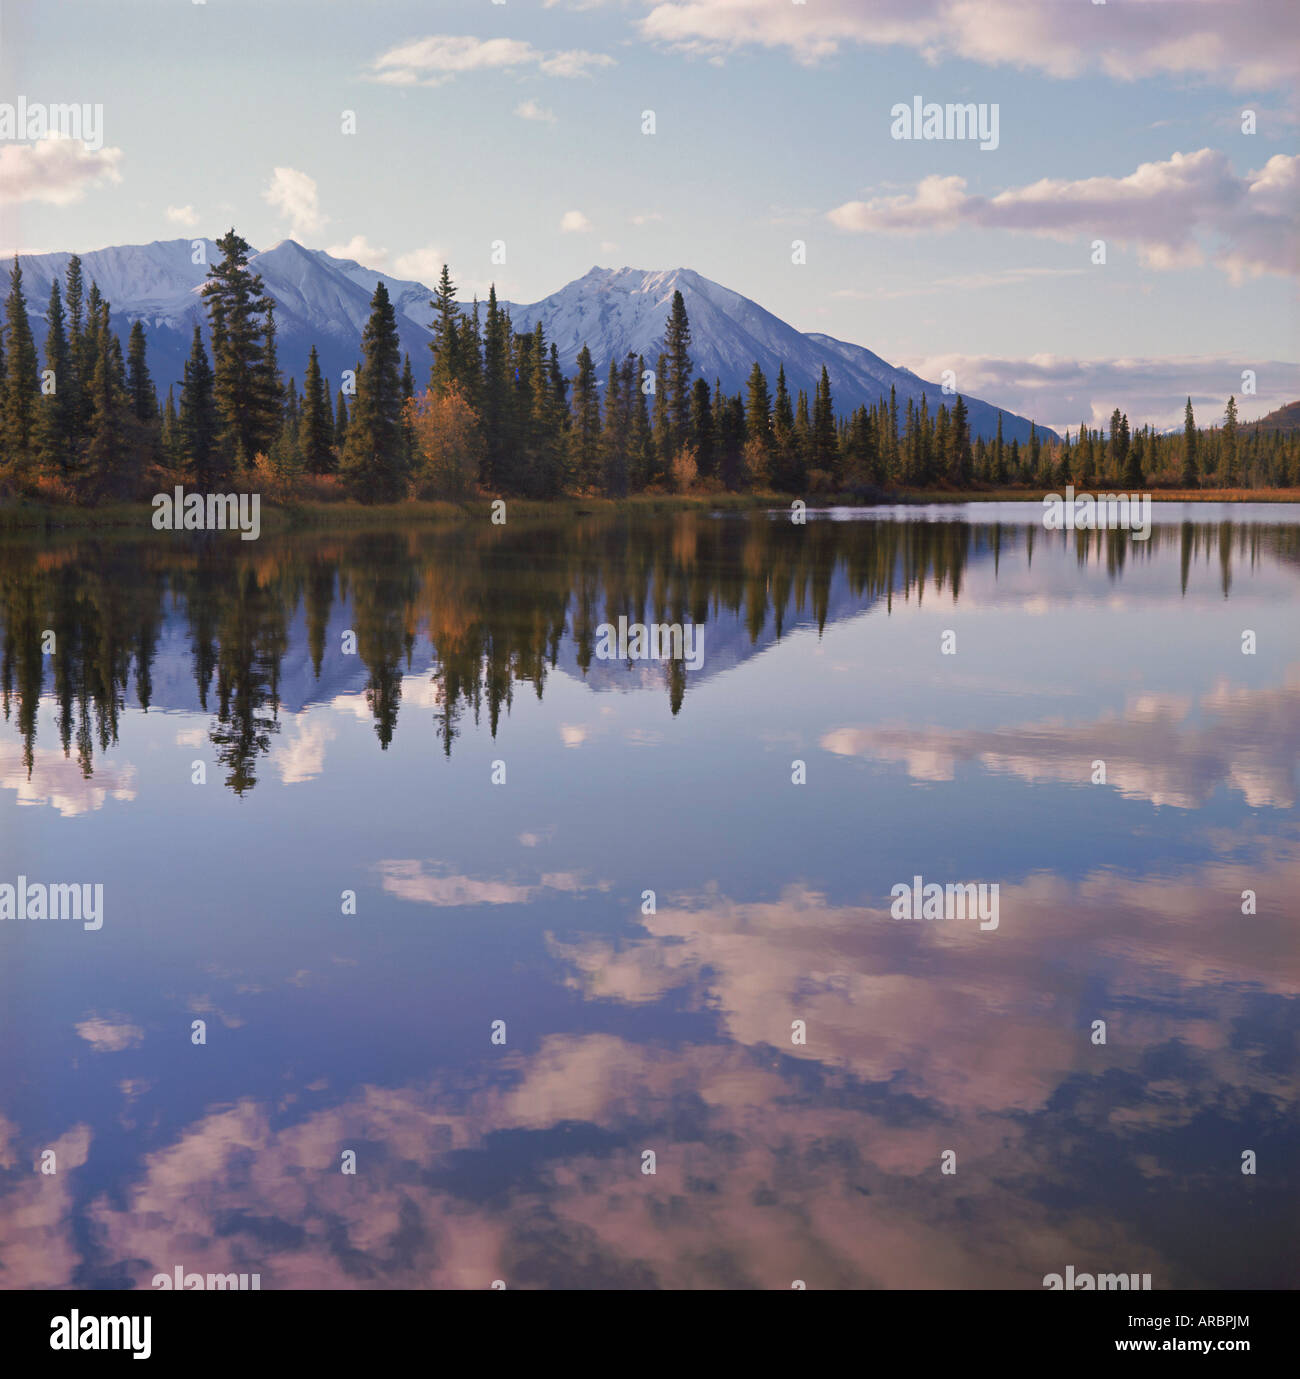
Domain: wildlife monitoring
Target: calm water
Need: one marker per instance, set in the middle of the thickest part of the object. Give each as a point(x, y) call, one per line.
point(665, 1028)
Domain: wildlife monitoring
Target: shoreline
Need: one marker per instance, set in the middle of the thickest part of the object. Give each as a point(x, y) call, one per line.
point(29, 516)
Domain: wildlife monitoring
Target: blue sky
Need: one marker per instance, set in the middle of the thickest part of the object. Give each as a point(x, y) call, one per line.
point(478, 122)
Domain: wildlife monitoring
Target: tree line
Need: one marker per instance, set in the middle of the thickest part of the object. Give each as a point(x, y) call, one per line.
point(499, 415)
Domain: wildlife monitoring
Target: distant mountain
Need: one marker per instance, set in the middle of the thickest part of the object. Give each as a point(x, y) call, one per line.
point(1285, 418)
point(325, 301)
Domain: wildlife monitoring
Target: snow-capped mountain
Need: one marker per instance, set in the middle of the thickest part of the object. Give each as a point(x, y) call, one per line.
point(325, 301)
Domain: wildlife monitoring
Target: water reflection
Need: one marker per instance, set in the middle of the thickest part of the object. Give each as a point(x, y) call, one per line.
point(484, 610)
point(664, 1026)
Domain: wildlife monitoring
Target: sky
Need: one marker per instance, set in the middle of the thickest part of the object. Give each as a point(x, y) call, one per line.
point(773, 125)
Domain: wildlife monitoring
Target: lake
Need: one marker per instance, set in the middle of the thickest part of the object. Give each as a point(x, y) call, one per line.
point(439, 946)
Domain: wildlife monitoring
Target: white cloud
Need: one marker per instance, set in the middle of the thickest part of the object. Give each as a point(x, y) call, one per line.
point(430, 883)
point(424, 265)
point(1060, 391)
point(1163, 208)
point(109, 1034)
point(294, 195)
point(1214, 39)
point(574, 223)
point(52, 779)
point(966, 282)
point(57, 171)
point(531, 110)
point(183, 215)
point(441, 57)
point(361, 251)
point(644, 217)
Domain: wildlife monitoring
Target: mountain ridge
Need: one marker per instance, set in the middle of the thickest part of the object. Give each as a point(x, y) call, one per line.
point(325, 301)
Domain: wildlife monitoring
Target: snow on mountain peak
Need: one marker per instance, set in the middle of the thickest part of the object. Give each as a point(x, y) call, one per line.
point(324, 301)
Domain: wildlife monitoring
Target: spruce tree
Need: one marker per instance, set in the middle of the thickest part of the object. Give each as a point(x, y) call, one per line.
point(444, 345)
point(74, 300)
point(107, 469)
point(198, 423)
point(614, 432)
point(144, 401)
point(662, 424)
point(374, 459)
point(584, 433)
point(21, 388)
point(677, 384)
point(56, 413)
point(340, 424)
point(1134, 478)
point(469, 357)
point(786, 474)
point(408, 424)
point(702, 438)
point(824, 439)
point(758, 409)
point(641, 445)
point(315, 426)
point(172, 450)
point(1230, 444)
point(496, 394)
point(246, 382)
point(961, 462)
point(1189, 474)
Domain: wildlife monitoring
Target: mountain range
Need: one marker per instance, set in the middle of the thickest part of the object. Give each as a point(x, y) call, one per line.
point(325, 301)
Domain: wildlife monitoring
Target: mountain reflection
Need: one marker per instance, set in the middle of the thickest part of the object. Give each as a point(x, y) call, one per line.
point(481, 609)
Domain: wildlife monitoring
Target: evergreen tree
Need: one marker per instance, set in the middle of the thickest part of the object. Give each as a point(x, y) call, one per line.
point(246, 380)
point(74, 298)
point(144, 401)
point(702, 437)
point(408, 420)
point(173, 454)
point(497, 397)
point(641, 446)
point(676, 384)
point(107, 471)
point(787, 473)
point(824, 440)
point(1230, 443)
point(56, 414)
point(198, 423)
point(446, 321)
point(1189, 479)
point(21, 389)
point(374, 460)
point(585, 432)
point(469, 357)
point(315, 426)
point(758, 409)
point(340, 423)
point(1134, 478)
point(616, 427)
point(664, 440)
